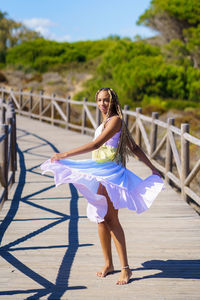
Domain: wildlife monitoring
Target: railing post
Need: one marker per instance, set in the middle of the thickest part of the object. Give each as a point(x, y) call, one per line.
point(52, 108)
point(126, 116)
point(154, 131)
point(20, 100)
point(2, 93)
point(30, 103)
point(13, 138)
point(68, 111)
point(168, 159)
point(10, 121)
point(84, 116)
point(4, 159)
point(3, 112)
point(138, 135)
point(98, 116)
point(41, 104)
point(185, 159)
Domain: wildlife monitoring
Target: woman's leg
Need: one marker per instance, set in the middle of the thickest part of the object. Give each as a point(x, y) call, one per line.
point(117, 233)
point(105, 240)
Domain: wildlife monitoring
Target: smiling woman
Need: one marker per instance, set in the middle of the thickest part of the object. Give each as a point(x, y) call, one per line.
point(104, 180)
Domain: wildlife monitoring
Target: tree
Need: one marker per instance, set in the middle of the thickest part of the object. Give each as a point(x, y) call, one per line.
point(171, 17)
point(176, 20)
point(13, 33)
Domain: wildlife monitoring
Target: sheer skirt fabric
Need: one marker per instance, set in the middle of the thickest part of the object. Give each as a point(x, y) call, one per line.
point(125, 189)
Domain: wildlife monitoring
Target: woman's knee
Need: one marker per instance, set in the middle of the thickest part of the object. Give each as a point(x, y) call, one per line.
point(111, 221)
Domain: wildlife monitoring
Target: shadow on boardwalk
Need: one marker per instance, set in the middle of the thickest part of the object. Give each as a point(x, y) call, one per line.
point(59, 288)
point(184, 269)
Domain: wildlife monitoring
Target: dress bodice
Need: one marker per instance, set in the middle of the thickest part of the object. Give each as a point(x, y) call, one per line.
point(106, 152)
point(113, 141)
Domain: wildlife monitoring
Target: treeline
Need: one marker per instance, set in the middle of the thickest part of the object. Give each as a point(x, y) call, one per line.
point(139, 71)
point(41, 55)
point(166, 75)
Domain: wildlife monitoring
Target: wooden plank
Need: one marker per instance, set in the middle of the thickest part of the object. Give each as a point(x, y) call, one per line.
point(75, 102)
point(35, 104)
point(133, 127)
point(45, 109)
point(144, 135)
point(192, 194)
point(193, 173)
point(24, 104)
point(154, 132)
point(161, 123)
point(74, 126)
point(90, 116)
point(145, 118)
point(185, 159)
point(175, 130)
point(131, 113)
point(59, 110)
point(176, 180)
point(175, 152)
point(158, 166)
point(14, 99)
point(192, 139)
point(160, 145)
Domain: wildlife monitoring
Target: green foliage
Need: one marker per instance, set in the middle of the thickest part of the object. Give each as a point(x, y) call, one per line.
point(182, 10)
point(12, 33)
point(92, 49)
point(193, 84)
point(178, 21)
point(42, 54)
point(114, 37)
point(139, 69)
point(176, 52)
point(161, 105)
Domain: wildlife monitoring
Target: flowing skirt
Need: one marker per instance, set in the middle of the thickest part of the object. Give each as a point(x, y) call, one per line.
point(124, 188)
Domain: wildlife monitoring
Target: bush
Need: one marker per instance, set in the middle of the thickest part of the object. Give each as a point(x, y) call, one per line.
point(138, 69)
point(41, 54)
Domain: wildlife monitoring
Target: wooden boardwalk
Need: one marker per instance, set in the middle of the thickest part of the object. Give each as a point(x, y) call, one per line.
point(50, 250)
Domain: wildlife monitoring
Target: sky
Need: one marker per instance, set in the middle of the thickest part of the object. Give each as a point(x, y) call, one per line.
point(75, 20)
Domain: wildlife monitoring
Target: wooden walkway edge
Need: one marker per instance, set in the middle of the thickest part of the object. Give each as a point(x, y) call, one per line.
point(50, 250)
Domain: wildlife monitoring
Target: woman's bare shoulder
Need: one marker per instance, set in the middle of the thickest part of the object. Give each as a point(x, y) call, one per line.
point(114, 121)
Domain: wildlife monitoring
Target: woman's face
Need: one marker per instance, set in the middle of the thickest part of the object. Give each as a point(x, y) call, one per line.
point(103, 100)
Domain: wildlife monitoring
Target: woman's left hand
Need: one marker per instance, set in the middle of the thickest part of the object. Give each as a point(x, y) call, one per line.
point(57, 156)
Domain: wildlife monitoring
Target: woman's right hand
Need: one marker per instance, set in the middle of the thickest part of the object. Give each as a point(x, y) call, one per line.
point(57, 156)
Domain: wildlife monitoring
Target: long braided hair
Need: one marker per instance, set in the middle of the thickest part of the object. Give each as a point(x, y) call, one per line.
point(123, 150)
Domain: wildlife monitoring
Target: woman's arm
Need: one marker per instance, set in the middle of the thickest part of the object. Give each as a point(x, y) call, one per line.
point(142, 156)
point(111, 128)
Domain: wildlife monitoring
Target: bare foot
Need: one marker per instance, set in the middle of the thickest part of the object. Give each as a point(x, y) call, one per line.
point(124, 276)
point(105, 271)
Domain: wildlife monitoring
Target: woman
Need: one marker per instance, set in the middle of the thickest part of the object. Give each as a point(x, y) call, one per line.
point(105, 182)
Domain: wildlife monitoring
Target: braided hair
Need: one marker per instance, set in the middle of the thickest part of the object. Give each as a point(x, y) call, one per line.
point(125, 140)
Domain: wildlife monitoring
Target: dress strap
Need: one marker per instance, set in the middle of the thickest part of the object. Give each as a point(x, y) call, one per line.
point(107, 120)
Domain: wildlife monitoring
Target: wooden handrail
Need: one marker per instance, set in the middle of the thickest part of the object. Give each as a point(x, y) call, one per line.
point(173, 162)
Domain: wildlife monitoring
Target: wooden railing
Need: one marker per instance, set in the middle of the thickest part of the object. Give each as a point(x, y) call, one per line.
point(8, 148)
point(166, 145)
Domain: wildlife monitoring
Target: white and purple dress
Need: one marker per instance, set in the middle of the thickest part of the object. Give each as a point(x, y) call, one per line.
point(125, 189)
